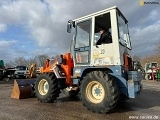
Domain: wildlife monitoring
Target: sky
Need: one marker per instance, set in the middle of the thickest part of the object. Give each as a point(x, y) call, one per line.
point(34, 27)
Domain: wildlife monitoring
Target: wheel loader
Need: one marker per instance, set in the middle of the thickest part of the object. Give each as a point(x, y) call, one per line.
point(101, 75)
point(31, 72)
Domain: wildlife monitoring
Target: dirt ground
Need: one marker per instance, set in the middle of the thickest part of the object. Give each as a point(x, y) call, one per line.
point(147, 105)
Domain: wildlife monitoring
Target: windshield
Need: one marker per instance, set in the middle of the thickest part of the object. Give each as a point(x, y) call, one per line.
point(21, 67)
point(123, 32)
point(83, 34)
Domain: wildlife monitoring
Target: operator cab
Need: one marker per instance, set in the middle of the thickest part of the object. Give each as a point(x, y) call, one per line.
point(85, 52)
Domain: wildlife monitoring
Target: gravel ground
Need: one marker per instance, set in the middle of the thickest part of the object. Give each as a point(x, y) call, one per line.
point(147, 105)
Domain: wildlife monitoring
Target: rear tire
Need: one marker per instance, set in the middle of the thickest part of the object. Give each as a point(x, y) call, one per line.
point(123, 98)
point(99, 92)
point(46, 87)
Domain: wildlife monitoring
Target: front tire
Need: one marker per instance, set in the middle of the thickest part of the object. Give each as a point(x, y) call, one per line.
point(99, 92)
point(46, 87)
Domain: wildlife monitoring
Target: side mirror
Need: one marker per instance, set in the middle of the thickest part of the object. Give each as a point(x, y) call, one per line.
point(69, 26)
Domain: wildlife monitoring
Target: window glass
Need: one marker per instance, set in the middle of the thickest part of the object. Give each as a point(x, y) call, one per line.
point(103, 21)
point(83, 34)
point(21, 67)
point(123, 32)
point(82, 57)
point(96, 37)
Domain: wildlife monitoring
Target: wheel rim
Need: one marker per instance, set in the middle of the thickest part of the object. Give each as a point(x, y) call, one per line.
point(95, 92)
point(43, 87)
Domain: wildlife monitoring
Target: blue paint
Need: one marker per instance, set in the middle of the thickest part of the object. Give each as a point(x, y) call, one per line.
point(97, 91)
point(46, 87)
point(129, 82)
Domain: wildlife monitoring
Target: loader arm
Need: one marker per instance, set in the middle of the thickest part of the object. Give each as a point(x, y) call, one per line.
point(48, 66)
point(62, 67)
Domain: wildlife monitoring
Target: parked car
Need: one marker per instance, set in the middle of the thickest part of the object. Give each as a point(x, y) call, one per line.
point(20, 72)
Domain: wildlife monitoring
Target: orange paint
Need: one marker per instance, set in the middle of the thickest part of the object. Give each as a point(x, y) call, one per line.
point(127, 62)
point(67, 67)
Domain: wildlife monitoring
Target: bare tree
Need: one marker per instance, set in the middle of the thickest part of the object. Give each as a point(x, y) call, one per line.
point(135, 57)
point(9, 65)
point(40, 59)
point(32, 61)
point(157, 48)
point(20, 61)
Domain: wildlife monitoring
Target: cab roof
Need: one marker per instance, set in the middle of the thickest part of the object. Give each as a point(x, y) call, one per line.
point(99, 13)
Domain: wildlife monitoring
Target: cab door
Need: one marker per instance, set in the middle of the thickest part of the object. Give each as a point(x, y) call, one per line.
point(82, 43)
